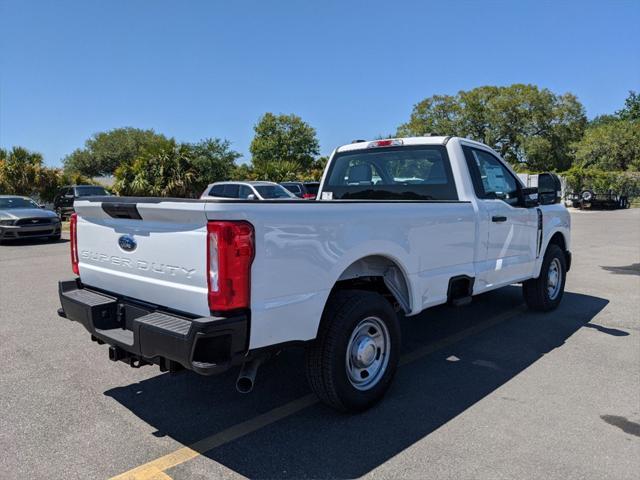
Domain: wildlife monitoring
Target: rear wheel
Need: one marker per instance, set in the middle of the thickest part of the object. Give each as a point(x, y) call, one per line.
point(545, 292)
point(351, 364)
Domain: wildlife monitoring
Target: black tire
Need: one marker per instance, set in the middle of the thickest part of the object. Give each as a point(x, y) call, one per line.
point(56, 237)
point(326, 359)
point(536, 291)
point(589, 195)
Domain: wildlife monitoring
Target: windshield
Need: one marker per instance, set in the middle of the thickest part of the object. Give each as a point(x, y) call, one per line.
point(90, 191)
point(17, 202)
point(392, 173)
point(273, 191)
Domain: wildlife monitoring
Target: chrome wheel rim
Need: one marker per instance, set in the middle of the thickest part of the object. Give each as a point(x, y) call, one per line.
point(367, 354)
point(554, 279)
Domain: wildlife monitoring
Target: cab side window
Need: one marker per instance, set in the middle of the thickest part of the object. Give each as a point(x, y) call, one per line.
point(244, 191)
point(230, 190)
point(217, 191)
point(226, 190)
point(491, 179)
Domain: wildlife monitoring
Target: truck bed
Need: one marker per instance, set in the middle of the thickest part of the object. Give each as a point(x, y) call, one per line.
point(301, 249)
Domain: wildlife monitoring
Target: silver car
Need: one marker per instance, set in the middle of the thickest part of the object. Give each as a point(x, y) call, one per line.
point(247, 191)
point(21, 217)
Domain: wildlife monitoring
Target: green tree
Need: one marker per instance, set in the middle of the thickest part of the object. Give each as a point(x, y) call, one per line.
point(176, 169)
point(104, 152)
point(213, 160)
point(623, 183)
point(530, 127)
point(166, 172)
point(20, 171)
point(23, 172)
point(283, 138)
point(278, 171)
point(631, 110)
point(244, 171)
point(314, 173)
point(614, 145)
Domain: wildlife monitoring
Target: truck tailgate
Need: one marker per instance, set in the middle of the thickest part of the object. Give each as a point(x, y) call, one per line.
point(157, 254)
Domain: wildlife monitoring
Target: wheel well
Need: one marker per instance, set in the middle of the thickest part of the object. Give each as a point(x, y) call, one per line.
point(558, 239)
point(378, 274)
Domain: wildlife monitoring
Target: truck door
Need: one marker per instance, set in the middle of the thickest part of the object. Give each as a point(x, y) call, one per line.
point(511, 242)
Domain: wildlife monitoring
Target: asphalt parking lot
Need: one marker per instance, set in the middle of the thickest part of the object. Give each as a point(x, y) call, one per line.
point(484, 391)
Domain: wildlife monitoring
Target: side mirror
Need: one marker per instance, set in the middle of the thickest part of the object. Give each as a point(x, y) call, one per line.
point(549, 188)
point(42, 206)
point(530, 197)
point(251, 196)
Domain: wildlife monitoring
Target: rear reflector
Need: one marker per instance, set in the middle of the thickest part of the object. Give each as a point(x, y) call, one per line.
point(385, 143)
point(230, 251)
point(73, 233)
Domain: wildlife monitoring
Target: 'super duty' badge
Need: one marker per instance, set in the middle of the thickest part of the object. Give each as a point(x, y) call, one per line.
point(127, 243)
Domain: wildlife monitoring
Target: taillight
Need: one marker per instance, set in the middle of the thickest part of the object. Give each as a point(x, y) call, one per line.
point(230, 251)
point(73, 233)
point(309, 196)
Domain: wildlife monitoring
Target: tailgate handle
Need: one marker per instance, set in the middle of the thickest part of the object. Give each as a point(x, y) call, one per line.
point(122, 210)
point(498, 218)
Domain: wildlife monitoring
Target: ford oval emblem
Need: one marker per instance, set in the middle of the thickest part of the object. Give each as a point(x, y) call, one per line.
point(127, 243)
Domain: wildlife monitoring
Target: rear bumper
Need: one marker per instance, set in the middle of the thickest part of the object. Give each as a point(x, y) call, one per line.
point(139, 333)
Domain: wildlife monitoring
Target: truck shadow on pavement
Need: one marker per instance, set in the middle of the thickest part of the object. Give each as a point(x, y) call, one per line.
point(320, 443)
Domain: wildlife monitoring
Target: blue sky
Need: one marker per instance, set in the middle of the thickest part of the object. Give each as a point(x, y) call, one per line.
point(352, 69)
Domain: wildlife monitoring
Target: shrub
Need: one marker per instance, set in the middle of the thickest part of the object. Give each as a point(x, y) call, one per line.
point(623, 183)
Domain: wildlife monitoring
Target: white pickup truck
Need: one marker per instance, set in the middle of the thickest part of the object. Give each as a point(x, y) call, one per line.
point(400, 225)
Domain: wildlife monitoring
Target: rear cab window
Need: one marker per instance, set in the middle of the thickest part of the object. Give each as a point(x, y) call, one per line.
point(421, 172)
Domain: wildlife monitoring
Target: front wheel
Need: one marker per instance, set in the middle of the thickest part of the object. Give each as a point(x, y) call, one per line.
point(545, 292)
point(352, 362)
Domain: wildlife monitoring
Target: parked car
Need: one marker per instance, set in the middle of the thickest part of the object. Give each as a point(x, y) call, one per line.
point(306, 190)
point(247, 191)
point(590, 199)
point(21, 217)
point(63, 201)
point(401, 225)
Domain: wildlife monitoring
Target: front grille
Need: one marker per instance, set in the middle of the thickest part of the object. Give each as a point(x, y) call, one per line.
point(33, 221)
point(34, 233)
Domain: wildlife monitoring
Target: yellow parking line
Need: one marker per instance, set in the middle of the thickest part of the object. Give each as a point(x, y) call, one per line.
point(155, 469)
point(185, 454)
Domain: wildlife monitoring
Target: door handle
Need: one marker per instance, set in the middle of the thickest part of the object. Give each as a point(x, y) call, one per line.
point(498, 219)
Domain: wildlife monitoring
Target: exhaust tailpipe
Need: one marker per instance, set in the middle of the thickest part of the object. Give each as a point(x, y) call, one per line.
point(247, 376)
